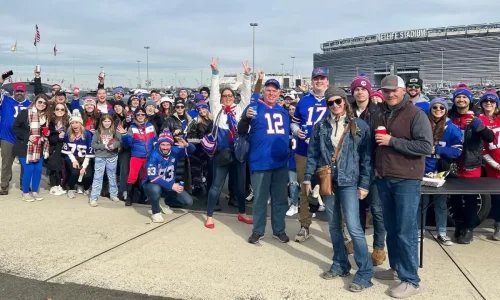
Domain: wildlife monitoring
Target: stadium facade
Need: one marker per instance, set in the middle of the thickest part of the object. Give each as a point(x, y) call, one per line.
point(469, 53)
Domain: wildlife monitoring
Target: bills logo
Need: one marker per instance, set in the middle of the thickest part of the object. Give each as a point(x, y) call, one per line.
point(320, 71)
point(413, 80)
point(363, 83)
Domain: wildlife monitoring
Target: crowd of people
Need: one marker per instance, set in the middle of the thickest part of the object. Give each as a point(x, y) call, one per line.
point(316, 153)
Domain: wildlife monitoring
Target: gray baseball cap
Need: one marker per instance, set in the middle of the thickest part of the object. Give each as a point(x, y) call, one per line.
point(392, 82)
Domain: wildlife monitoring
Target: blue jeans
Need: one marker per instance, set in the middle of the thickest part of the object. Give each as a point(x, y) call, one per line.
point(238, 187)
point(270, 183)
point(154, 192)
point(101, 164)
point(400, 200)
point(495, 208)
point(347, 198)
point(32, 175)
point(440, 211)
point(372, 200)
point(293, 187)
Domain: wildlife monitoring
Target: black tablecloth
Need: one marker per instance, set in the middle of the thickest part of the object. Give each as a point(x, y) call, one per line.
point(464, 186)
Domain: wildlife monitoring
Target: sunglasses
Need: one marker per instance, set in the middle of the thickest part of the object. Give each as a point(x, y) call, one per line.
point(336, 101)
point(180, 106)
point(41, 102)
point(491, 101)
point(414, 85)
point(139, 115)
point(438, 107)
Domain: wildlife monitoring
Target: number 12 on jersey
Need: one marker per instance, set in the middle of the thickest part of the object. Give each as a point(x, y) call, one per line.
point(274, 123)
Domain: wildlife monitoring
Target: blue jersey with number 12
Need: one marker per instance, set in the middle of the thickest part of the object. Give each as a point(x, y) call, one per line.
point(10, 108)
point(269, 138)
point(309, 111)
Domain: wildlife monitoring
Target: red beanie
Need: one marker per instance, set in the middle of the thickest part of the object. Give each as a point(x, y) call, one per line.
point(378, 94)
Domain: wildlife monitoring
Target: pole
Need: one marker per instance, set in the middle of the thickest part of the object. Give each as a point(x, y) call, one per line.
point(74, 72)
point(282, 70)
point(253, 50)
point(442, 67)
point(201, 77)
point(147, 66)
point(293, 76)
point(138, 74)
point(36, 49)
point(175, 81)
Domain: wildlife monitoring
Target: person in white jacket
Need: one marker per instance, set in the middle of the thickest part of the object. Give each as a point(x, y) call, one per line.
point(226, 115)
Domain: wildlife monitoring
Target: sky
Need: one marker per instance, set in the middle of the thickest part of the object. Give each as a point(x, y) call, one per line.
point(183, 36)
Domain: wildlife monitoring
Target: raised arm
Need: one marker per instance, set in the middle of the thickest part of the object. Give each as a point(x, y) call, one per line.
point(215, 89)
point(246, 87)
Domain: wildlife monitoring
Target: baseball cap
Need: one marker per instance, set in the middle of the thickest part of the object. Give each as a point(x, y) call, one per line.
point(19, 87)
point(273, 82)
point(392, 82)
point(291, 96)
point(416, 81)
point(320, 72)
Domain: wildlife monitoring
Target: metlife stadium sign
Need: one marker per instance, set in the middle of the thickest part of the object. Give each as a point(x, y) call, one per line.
point(400, 35)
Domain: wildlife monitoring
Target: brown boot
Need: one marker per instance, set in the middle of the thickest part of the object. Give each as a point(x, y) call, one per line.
point(349, 247)
point(378, 257)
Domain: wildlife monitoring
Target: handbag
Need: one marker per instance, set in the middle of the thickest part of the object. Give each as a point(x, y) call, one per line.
point(324, 173)
point(444, 165)
point(209, 141)
point(223, 157)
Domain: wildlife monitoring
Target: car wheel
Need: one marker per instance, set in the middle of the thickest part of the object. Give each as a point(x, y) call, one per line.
point(483, 209)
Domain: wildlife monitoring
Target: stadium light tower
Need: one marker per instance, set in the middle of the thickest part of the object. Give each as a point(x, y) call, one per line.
point(253, 25)
point(138, 74)
point(147, 65)
point(293, 65)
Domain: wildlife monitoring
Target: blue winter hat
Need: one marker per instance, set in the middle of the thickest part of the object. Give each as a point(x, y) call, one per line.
point(462, 89)
point(166, 136)
point(198, 97)
point(202, 104)
point(490, 94)
point(439, 100)
point(119, 90)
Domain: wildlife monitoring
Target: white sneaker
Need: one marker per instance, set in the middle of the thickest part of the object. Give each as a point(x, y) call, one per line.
point(321, 208)
point(114, 199)
point(157, 218)
point(71, 194)
point(79, 189)
point(166, 210)
point(292, 210)
point(93, 203)
point(60, 189)
point(86, 192)
point(36, 196)
point(28, 198)
point(314, 215)
point(54, 191)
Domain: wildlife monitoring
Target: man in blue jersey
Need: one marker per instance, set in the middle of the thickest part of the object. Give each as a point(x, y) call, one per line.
point(310, 110)
point(160, 175)
point(268, 160)
point(9, 109)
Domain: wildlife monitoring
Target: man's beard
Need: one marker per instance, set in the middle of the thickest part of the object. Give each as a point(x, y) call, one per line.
point(19, 98)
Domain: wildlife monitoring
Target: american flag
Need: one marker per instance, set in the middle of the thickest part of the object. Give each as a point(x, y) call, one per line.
point(55, 50)
point(37, 35)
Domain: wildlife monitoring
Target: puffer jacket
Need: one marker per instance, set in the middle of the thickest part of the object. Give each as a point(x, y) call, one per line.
point(354, 163)
point(140, 139)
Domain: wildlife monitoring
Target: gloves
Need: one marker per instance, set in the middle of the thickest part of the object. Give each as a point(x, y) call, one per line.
point(477, 125)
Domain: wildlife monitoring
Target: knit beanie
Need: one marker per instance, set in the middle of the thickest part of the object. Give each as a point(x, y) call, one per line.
point(439, 100)
point(361, 81)
point(206, 89)
point(89, 100)
point(166, 136)
point(462, 89)
point(334, 91)
point(76, 117)
point(150, 102)
point(490, 94)
point(201, 104)
point(376, 93)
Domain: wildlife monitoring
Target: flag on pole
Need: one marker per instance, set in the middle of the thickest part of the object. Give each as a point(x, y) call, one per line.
point(55, 50)
point(37, 35)
point(14, 47)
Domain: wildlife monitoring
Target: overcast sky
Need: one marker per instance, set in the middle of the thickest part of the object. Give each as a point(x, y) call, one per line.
point(184, 35)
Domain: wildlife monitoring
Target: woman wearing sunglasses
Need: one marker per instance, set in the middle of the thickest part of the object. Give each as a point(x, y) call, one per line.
point(490, 106)
point(31, 147)
point(347, 138)
point(58, 124)
point(447, 148)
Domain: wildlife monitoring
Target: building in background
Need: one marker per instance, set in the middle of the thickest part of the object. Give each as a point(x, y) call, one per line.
point(286, 80)
point(441, 56)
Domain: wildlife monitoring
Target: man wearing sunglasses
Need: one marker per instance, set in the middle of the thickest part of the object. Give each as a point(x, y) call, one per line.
point(414, 91)
point(9, 109)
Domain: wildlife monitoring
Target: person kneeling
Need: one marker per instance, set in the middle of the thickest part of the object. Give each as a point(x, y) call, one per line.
point(160, 175)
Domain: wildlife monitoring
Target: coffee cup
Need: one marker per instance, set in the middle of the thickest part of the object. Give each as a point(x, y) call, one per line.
point(381, 130)
point(45, 131)
point(470, 114)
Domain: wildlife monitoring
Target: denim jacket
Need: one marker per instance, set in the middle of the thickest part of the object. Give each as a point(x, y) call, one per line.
point(354, 162)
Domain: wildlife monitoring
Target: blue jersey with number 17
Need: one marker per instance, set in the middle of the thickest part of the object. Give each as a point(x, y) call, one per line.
point(10, 108)
point(309, 111)
point(269, 138)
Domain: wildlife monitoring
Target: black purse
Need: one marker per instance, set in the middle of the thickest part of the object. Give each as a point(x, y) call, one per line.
point(223, 157)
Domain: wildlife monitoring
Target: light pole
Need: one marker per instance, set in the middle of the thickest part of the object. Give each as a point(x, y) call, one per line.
point(282, 70)
point(357, 71)
point(147, 65)
point(175, 81)
point(201, 77)
point(138, 74)
point(253, 50)
point(442, 67)
point(293, 65)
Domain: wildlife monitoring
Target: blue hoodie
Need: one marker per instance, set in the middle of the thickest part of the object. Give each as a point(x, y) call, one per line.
point(450, 146)
point(161, 168)
point(140, 139)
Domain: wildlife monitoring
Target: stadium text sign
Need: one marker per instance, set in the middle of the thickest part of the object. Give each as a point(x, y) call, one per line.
point(398, 35)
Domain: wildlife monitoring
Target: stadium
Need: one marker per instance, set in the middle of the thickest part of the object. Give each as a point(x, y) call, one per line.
point(441, 56)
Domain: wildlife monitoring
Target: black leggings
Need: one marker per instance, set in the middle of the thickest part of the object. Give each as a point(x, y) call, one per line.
point(73, 175)
point(55, 177)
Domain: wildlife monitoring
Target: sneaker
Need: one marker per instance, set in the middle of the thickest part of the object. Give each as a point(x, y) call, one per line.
point(255, 238)
point(79, 189)
point(114, 199)
point(496, 234)
point(71, 194)
point(93, 203)
point(249, 198)
point(282, 237)
point(313, 215)
point(321, 208)
point(386, 275)
point(4, 191)
point(329, 275)
point(86, 192)
point(378, 257)
point(444, 240)
point(465, 237)
point(302, 235)
point(54, 191)
point(61, 190)
point(292, 210)
point(28, 198)
point(404, 290)
point(356, 288)
point(157, 218)
point(36, 196)
point(166, 210)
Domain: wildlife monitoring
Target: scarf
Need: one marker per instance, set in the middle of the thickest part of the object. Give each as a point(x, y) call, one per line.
point(35, 150)
point(231, 122)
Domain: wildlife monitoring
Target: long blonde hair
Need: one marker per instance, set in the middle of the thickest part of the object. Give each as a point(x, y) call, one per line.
point(72, 135)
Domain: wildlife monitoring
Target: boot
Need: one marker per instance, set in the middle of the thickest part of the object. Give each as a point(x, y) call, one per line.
point(130, 194)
